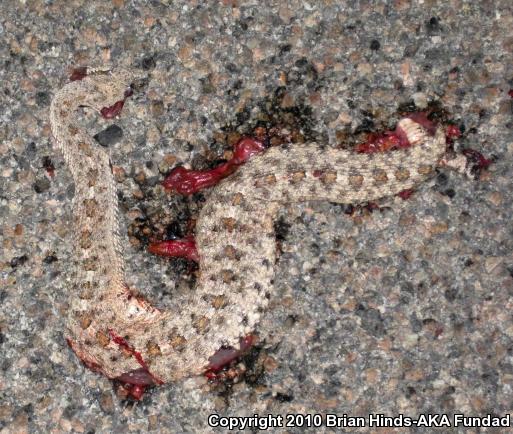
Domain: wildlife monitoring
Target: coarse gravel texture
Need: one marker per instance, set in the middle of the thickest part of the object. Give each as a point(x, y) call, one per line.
point(404, 310)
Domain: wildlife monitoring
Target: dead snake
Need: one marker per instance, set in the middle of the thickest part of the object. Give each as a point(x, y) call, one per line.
point(116, 332)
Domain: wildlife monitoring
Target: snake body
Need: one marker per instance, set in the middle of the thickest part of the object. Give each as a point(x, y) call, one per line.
point(116, 332)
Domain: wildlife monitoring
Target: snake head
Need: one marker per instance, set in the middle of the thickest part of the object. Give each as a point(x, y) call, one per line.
point(106, 87)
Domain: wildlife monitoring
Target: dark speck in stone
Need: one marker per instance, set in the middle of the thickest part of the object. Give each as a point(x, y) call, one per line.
point(294, 77)
point(50, 259)
point(441, 179)
point(281, 228)
point(372, 321)
point(451, 294)
point(70, 191)
point(28, 409)
point(449, 193)
point(410, 391)
point(31, 149)
point(366, 126)
point(280, 92)
point(415, 323)
point(433, 25)
point(407, 107)
point(348, 209)
point(407, 287)
point(18, 260)
point(231, 67)
point(148, 62)
point(42, 99)
point(285, 49)
point(282, 397)
point(375, 45)
point(301, 376)
point(109, 136)
point(410, 50)
point(174, 231)
point(41, 185)
point(206, 86)
point(243, 116)
point(47, 164)
point(301, 62)
point(468, 262)
point(314, 247)
point(69, 411)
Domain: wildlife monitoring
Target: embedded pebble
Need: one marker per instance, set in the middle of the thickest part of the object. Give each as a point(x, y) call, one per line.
point(109, 136)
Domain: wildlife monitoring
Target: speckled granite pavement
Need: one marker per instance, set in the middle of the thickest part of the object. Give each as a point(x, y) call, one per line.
point(405, 310)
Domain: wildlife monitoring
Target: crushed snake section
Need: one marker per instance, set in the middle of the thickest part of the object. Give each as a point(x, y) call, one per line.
point(120, 334)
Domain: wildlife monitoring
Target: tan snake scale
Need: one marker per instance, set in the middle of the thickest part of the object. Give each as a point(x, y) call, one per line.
point(234, 236)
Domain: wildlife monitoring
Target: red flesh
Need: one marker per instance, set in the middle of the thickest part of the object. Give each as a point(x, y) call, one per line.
point(186, 182)
point(381, 143)
point(112, 111)
point(245, 148)
point(78, 73)
point(139, 377)
point(115, 109)
point(480, 161)
point(452, 132)
point(124, 344)
point(184, 248)
point(136, 381)
point(405, 194)
point(422, 119)
point(224, 356)
point(135, 391)
point(390, 140)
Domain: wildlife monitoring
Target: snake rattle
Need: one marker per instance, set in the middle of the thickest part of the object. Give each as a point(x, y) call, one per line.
point(123, 336)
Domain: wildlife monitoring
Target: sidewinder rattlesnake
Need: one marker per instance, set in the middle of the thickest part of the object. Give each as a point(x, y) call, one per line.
point(234, 236)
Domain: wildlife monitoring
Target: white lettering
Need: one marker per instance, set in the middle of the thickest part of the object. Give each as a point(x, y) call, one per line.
point(482, 421)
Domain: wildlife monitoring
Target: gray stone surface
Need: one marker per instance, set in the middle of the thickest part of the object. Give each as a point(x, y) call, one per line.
point(406, 311)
